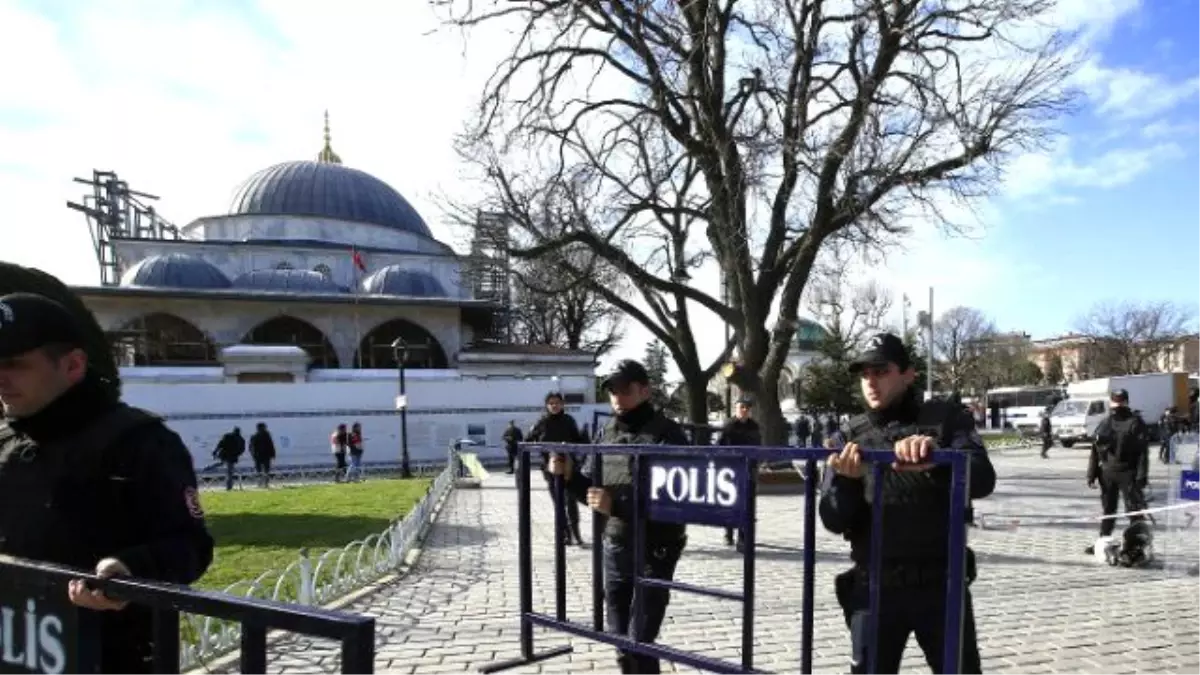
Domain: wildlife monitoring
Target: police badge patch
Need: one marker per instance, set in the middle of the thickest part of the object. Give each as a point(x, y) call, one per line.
point(192, 498)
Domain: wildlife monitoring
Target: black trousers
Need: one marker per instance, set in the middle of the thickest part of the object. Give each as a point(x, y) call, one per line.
point(904, 611)
point(618, 597)
point(1114, 486)
point(570, 508)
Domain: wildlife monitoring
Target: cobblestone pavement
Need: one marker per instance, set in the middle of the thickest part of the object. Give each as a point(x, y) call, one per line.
point(1042, 606)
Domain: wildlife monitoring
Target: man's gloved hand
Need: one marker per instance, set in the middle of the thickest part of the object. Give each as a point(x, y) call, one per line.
point(1092, 482)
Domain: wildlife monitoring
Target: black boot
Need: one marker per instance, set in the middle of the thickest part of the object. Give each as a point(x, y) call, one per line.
point(574, 535)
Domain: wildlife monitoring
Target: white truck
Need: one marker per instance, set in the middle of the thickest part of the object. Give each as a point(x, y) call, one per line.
point(1074, 419)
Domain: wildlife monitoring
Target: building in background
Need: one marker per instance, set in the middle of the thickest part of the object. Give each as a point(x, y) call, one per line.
point(329, 259)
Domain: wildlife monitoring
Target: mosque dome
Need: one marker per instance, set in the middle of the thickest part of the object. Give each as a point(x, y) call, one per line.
point(325, 188)
point(810, 335)
point(395, 280)
point(290, 281)
point(175, 270)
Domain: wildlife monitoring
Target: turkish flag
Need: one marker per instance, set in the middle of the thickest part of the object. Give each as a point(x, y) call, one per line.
point(358, 260)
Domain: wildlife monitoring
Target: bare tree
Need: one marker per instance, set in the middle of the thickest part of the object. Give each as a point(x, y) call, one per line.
point(837, 119)
point(554, 306)
point(1130, 338)
point(961, 342)
point(1003, 359)
point(850, 312)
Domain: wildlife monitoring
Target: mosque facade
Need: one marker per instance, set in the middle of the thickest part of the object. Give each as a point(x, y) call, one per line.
point(311, 254)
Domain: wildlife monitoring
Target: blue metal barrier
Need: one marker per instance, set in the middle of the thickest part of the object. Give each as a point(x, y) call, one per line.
point(68, 638)
point(725, 497)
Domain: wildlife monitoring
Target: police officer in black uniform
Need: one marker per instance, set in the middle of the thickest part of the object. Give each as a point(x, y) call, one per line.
point(741, 429)
point(1119, 461)
point(1047, 433)
point(916, 511)
point(556, 426)
point(88, 481)
point(634, 421)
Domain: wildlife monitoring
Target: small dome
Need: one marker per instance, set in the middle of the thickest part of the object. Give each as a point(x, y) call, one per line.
point(329, 190)
point(810, 334)
point(175, 270)
point(395, 280)
point(289, 281)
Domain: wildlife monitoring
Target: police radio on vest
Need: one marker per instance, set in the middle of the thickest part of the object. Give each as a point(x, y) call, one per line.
point(689, 485)
point(32, 642)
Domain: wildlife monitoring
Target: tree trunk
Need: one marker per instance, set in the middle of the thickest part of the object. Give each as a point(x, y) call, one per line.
point(697, 402)
point(770, 419)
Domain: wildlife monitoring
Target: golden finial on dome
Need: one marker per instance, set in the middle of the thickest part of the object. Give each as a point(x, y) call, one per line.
point(327, 154)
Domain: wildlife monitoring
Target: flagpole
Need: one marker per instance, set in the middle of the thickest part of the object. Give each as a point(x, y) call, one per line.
point(354, 261)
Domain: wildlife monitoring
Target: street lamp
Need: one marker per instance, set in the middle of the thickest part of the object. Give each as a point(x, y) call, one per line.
point(400, 351)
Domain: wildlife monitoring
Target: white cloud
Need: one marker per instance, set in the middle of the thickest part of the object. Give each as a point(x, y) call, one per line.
point(1121, 93)
point(1049, 173)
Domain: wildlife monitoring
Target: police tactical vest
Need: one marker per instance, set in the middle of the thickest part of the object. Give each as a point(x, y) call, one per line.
point(916, 504)
point(66, 500)
point(617, 471)
point(1121, 448)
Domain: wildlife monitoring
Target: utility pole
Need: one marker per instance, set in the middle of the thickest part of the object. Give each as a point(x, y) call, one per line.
point(929, 354)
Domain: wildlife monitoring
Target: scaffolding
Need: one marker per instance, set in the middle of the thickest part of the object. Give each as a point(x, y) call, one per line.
point(488, 271)
point(114, 211)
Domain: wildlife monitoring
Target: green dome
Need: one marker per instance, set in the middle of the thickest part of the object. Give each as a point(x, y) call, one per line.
point(809, 334)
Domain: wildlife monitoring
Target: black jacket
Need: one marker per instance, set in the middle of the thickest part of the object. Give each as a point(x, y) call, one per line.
point(262, 446)
point(1122, 445)
point(512, 436)
point(641, 426)
point(741, 432)
point(916, 505)
point(554, 428)
point(230, 447)
point(86, 479)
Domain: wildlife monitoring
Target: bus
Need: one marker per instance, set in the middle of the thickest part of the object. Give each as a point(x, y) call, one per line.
point(1020, 407)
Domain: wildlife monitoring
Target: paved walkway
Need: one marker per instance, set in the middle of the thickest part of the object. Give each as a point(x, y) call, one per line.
point(1042, 606)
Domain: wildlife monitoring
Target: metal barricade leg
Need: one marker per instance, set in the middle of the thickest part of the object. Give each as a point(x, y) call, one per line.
point(748, 534)
point(956, 583)
point(525, 573)
point(874, 583)
point(810, 555)
point(597, 552)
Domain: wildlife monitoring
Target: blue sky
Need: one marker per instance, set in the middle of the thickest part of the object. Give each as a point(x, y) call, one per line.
point(186, 99)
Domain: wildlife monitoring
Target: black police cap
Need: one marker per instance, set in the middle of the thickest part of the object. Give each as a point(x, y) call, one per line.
point(883, 349)
point(1119, 395)
point(29, 321)
point(626, 371)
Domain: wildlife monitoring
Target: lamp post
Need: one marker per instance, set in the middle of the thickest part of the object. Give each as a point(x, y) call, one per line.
point(400, 350)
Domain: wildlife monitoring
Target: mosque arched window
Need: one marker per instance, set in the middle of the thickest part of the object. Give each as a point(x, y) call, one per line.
point(288, 330)
point(161, 339)
point(424, 351)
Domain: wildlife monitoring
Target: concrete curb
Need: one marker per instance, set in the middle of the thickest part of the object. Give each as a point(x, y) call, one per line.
point(229, 660)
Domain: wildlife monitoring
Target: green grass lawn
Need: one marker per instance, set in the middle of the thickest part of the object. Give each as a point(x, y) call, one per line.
point(997, 440)
point(258, 530)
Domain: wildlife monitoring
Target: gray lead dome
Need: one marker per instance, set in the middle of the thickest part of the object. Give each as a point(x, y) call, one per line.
point(395, 280)
point(327, 190)
point(175, 270)
point(292, 281)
